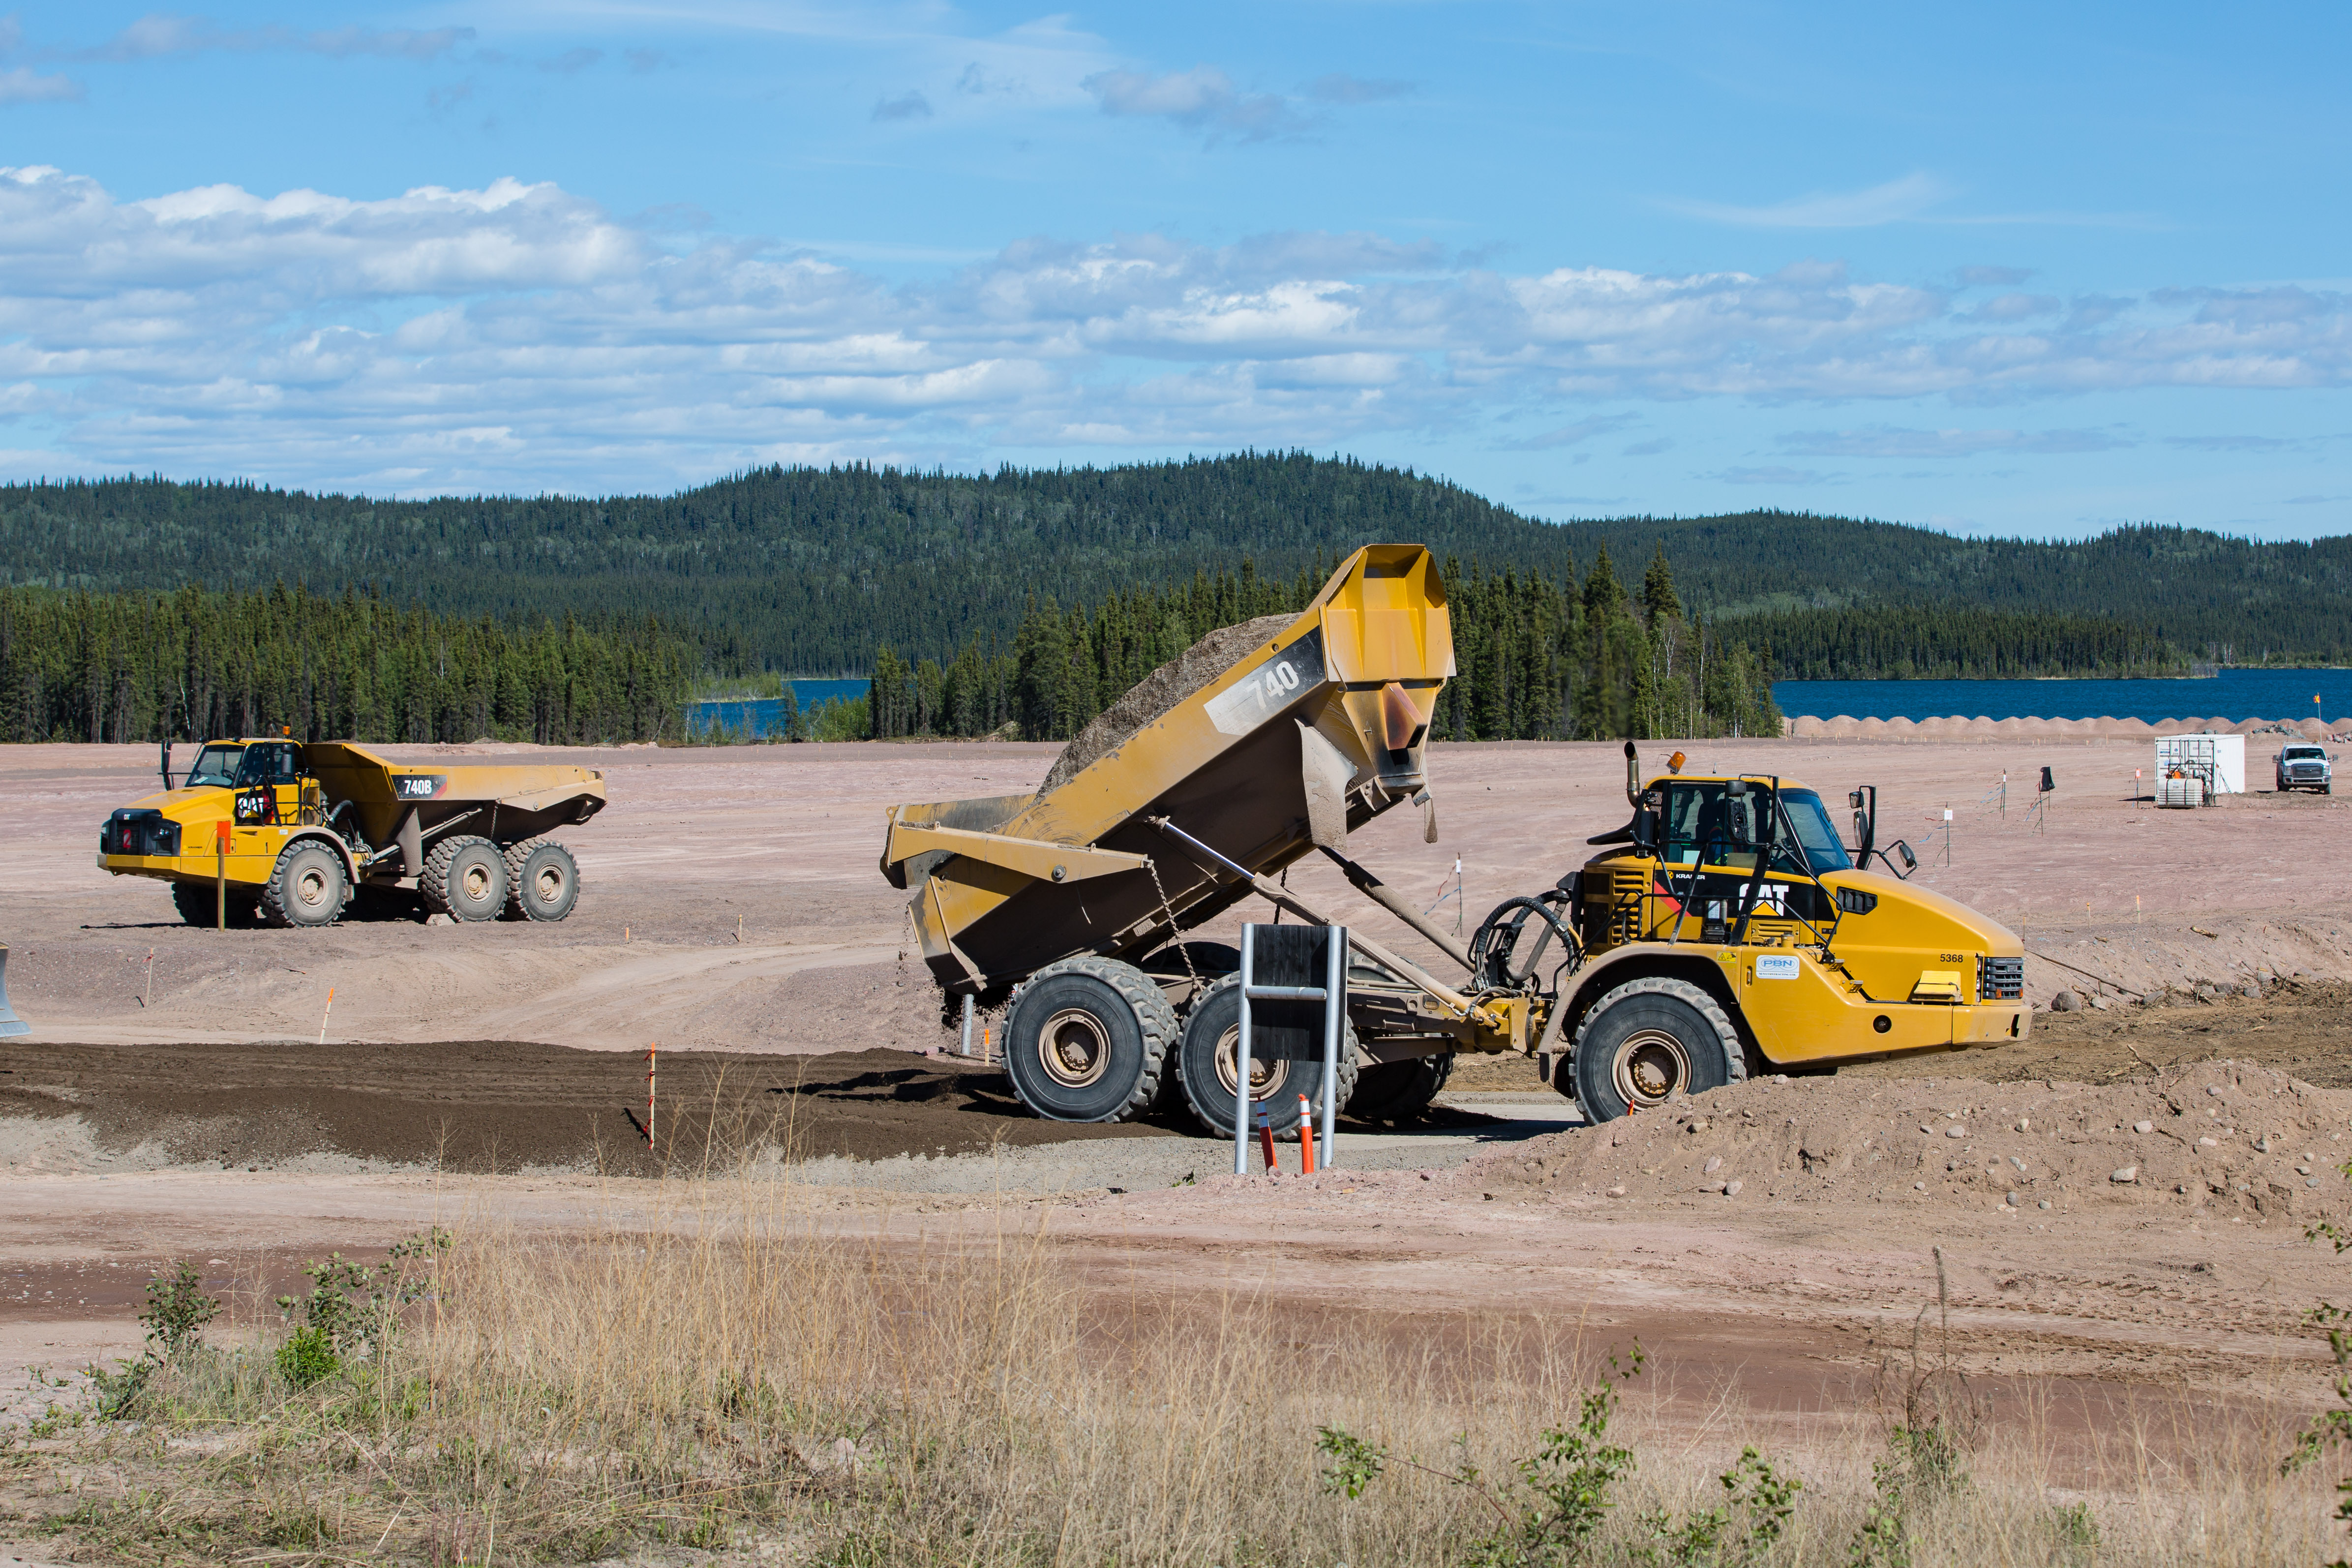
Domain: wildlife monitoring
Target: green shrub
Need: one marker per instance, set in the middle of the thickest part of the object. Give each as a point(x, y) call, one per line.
point(307, 1356)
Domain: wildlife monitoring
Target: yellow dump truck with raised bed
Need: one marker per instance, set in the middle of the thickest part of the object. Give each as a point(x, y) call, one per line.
point(297, 833)
point(1727, 929)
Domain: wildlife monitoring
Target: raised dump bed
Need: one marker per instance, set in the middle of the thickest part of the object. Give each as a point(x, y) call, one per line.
point(1220, 770)
point(296, 833)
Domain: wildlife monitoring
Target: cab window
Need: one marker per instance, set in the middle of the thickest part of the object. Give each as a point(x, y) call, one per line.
point(268, 763)
point(1817, 848)
point(215, 768)
point(1695, 827)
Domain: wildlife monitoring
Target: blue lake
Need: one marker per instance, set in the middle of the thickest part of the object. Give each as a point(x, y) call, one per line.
point(2234, 694)
point(762, 716)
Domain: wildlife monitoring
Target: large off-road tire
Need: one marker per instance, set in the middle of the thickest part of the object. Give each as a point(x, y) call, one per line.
point(1649, 1039)
point(307, 888)
point(542, 880)
point(1085, 1040)
point(198, 905)
point(1399, 1091)
point(465, 878)
point(1205, 1063)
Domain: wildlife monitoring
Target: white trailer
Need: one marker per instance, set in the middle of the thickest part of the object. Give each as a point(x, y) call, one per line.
point(2218, 762)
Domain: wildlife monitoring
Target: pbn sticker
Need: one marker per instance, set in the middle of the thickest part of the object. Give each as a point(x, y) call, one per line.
point(1776, 967)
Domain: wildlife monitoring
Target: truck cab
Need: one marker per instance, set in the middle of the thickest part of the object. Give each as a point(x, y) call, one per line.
point(1729, 930)
point(2304, 766)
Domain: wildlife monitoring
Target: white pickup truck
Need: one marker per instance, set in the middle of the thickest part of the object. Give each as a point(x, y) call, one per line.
point(2303, 767)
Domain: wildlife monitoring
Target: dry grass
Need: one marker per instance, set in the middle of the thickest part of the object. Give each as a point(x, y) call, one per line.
point(715, 1369)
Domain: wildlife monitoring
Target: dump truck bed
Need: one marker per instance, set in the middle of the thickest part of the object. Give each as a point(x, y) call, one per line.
point(1303, 737)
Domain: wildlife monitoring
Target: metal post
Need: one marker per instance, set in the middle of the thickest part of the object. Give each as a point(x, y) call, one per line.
point(1335, 981)
point(1242, 1057)
point(966, 1047)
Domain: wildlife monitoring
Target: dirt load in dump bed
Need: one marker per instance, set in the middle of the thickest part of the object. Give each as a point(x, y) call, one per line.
point(1159, 692)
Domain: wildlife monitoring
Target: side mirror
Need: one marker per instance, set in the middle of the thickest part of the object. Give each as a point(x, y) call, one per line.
point(1910, 861)
point(1864, 802)
point(1740, 814)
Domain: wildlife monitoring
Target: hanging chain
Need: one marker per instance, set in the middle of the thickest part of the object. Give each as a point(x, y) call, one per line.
point(1183, 949)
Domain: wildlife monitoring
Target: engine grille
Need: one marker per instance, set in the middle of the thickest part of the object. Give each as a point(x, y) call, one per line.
point(2000, 979)
point(139, 833)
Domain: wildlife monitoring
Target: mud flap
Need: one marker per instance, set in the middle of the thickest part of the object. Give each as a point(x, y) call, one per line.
point(9, 1023)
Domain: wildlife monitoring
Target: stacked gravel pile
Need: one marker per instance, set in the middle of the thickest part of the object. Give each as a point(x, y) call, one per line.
point(2225, 1138)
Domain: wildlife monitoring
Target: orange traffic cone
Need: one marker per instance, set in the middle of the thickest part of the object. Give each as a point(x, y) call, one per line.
point(1306, 1137)
point(1266, 1138)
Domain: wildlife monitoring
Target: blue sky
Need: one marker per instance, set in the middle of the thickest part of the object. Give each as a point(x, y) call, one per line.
point(2017, 269)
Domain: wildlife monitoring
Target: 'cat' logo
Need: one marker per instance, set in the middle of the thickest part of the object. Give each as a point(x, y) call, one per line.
point(419, 786)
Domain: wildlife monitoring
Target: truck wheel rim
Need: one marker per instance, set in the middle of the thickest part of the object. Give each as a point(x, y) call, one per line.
point(310, 888)
point(1265, 1076)
point(550, 884)
point(1651, 1065)
point(476, 882)
point(1074, 1047)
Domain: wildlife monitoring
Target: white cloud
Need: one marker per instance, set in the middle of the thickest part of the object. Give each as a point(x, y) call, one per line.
point(1773, 475)
point(158, 35)
point(1914, 198)
point(2016, 308)
point(1339, 87)
point(516, 336)
point(1574, 433)
point(1885, 442)
point(2242, 443)
point(1203, 98)
point(1893, 202)
point(23, 85)
point(910, 105)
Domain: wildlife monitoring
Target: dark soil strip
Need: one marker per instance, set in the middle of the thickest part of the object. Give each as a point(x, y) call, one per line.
point(500, 1105)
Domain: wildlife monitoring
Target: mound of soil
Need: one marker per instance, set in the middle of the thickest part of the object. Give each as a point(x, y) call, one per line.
point(1157, 692)
point(502, 1105)
point(2216, 1138)
point(2296, 1026)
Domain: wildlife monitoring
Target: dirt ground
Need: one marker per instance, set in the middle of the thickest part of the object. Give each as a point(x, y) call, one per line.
point(264, 1146)
point(488, 1105)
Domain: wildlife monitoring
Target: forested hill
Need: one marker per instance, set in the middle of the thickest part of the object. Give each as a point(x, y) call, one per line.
point(805, 570)
point(2207, 596)
point(810, 570)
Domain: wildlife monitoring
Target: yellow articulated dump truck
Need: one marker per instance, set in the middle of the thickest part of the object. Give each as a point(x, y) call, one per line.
point(1726, 930)
point(296, 833)
point(1730, 930)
